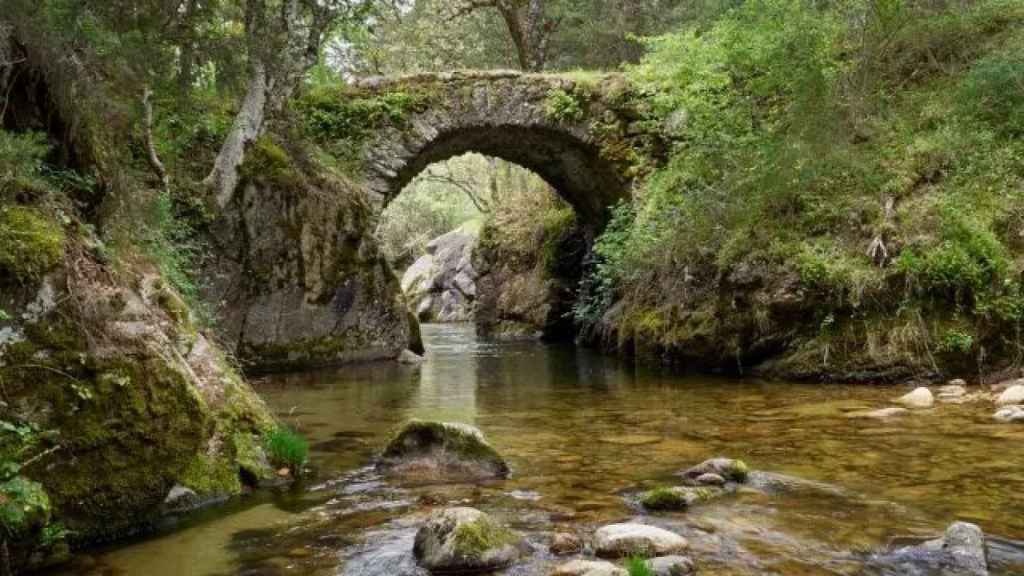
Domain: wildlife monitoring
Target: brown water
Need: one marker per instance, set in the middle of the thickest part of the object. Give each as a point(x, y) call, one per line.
point(582, 434)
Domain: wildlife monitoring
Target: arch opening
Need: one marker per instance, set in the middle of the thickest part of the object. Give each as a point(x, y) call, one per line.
point(482, 239)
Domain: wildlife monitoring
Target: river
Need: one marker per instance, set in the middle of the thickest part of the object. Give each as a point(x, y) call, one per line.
point(583, 433)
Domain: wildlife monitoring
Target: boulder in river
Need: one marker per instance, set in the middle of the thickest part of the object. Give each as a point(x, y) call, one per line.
point(625, 540)
point(1010, 414)
point(960, 552)
point(442, 449)
point(1012, 395)
point(588, 568)
point(465, 541)
point(727, 468)
point(918, 398)
point(678, 497)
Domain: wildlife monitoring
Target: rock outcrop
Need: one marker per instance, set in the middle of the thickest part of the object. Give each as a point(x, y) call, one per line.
point(440, 286)
point(121, 396)
point(299, 280)
point(465, 541)
point(441, 450)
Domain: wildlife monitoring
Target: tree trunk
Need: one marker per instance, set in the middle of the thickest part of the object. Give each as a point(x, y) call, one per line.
point(247, 127)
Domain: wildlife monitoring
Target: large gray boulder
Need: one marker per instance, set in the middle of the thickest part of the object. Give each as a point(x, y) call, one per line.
point(1012, 395)
point(441, 285)
point(626, 540)
point(465, 541)
point(440, 450)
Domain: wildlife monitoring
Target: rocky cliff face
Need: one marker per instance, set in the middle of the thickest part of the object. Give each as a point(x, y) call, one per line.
point(113, 393)
point(527, 283)
point(300, 281)
point(441, 285)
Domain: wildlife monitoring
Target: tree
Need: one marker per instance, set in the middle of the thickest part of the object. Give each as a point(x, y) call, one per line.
point(528, 25)
point(283, 41)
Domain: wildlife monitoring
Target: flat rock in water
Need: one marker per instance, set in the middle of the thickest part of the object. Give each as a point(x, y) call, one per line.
point(882, 414)
point(625, 540)
point(1010, 414)
point(672, 566)
point(436, 450)
point(409, 357)
point(1012, 395)
point(588, 568)
point(919, 398)
point(631, 439)
point(465, 541)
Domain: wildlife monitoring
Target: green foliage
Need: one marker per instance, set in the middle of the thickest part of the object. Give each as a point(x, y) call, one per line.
point(174, 246)
point(287, 448)
point(638, 566)
point(24, 506)
point(31, 243)
point(857, 146)
point(21, 162)
point(957, 342)
point(341, 123)
point(993, 91)
point(268, 164)
point(563, 106)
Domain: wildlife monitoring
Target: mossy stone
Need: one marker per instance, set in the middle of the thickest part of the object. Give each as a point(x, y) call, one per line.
point(31, 243)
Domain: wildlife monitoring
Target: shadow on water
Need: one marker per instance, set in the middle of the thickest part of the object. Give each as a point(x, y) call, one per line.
point(585, 433)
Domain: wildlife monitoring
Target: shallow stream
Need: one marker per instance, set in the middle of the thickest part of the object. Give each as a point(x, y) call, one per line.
point(583, 433)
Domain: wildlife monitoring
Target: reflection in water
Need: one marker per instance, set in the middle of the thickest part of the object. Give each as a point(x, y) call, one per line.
point(583, 433)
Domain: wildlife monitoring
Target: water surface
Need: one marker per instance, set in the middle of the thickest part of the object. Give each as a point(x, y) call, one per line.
point(583, 433)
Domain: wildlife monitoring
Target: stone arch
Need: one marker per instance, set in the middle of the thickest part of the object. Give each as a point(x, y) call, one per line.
point(583, 151)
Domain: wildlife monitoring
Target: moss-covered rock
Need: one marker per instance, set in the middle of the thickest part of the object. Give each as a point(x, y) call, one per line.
point(129, 398)
point(710, 471)
point(298, 280)
point(465, 541)
point(677, 498)
point(436, 450)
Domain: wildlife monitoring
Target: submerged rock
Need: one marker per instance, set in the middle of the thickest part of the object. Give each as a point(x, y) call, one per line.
point(727, 468)
point(588, 568)
point(882, 414)
point(678, 497)
point(919, 398)
point(438, 449)
point(1012, 395)
point(1010, 414)
point(623, 540)
point(465, 541)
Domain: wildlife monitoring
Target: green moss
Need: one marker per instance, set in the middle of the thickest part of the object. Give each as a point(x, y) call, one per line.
point(250, 456)
point(211, 476)
point(268, 164)
point(473, 539)
point(665, 499)
point(31, 243)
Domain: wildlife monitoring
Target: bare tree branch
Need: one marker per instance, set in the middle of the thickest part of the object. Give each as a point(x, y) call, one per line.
point(151, 154)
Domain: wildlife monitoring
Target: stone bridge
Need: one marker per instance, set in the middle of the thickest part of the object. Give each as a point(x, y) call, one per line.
point(584, 135)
